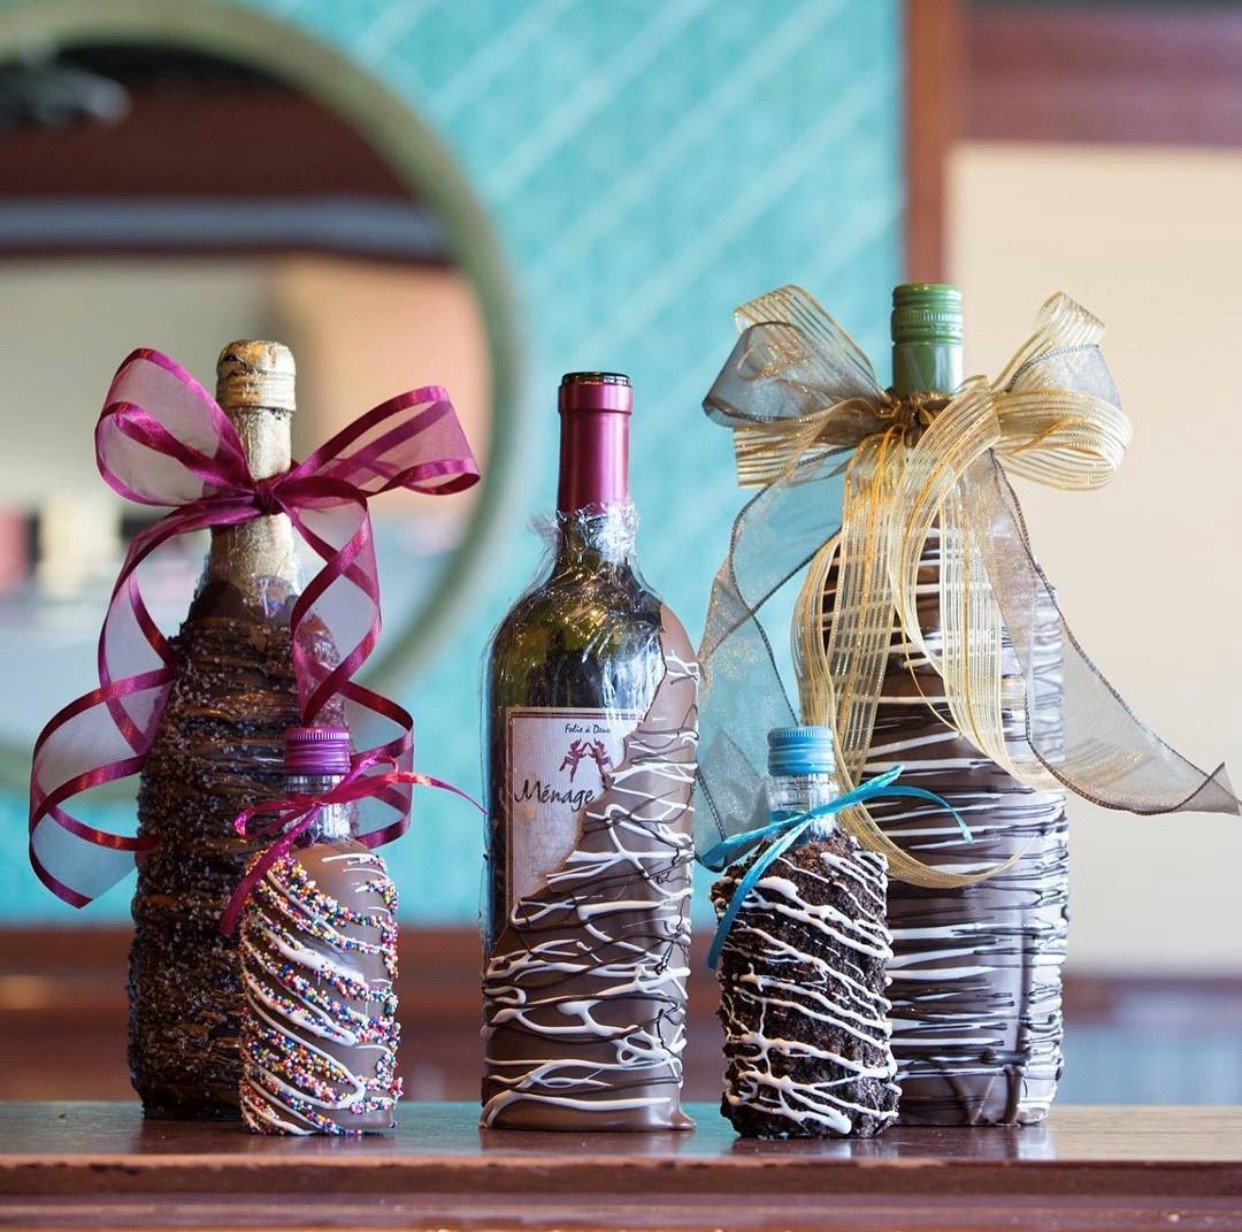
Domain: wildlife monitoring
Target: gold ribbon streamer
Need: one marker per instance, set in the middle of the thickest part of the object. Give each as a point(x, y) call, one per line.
point(798, 393)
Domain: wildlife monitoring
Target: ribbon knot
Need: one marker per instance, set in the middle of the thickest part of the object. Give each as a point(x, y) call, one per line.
point(266, 500)
point(371, 777)
point(786, 832)
point(163, 440)
point(915, 412)
point(854, 484)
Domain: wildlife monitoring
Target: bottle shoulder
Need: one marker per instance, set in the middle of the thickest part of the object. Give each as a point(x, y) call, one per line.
point(579, 641)
point(581, 605)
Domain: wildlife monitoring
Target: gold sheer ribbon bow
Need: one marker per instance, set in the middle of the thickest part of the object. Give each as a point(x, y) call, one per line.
point(857, 480)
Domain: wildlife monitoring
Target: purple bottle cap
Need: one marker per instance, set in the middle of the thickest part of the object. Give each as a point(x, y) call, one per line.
point(317, 752)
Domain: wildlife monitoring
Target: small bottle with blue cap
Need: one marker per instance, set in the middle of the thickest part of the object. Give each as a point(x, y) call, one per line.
point(802, 962)
point(802, 774)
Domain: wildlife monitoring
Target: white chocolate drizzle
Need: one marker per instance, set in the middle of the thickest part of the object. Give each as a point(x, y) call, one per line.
point(976, 985)
point(584, 992)
point(800, 967)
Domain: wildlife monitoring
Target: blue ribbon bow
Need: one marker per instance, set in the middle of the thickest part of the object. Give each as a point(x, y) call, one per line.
point(791, 829)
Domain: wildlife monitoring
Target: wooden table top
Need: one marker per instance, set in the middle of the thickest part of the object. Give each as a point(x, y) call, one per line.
point(101, 1165)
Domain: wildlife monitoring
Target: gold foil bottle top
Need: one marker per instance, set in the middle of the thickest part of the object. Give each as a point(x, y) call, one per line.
point(253, 374)
point(255, 386)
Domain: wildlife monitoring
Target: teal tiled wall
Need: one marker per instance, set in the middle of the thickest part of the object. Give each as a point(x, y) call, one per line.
point(647, 165)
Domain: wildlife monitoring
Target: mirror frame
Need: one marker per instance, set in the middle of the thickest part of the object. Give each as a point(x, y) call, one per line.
point(416, 155)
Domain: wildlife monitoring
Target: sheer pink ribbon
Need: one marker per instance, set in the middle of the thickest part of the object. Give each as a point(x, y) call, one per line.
point(293, 816)
point(163, 440)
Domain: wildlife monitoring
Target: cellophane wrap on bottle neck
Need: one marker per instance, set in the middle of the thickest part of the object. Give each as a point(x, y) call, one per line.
point(592, 715)
point(926, 634)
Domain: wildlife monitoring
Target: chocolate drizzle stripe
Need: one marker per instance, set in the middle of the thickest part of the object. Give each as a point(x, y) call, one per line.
point(976, 981)
point(802, 995)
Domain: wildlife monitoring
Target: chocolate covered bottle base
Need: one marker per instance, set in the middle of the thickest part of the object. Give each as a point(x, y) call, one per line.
point(219, 748)
point(976, 985)
point(319, 963)
point(802, 976)
point(585, 989)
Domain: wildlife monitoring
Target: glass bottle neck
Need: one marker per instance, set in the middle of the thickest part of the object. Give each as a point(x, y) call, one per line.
point(790, 794)
point(335, 821)
point(595, 519)
point(926, 366)
point(258, 559)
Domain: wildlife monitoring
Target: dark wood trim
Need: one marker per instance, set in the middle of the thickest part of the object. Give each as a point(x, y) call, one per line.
point(935, 37)
point(233, 142)
point(91, 1165)
point(98, 1165)
point(1158, 74)
point(1133, 73)
point(63, 1012)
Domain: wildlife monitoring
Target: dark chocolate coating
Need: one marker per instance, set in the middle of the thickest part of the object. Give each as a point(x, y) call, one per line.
point(976, 986)
point(802, 979)
point(218, 748)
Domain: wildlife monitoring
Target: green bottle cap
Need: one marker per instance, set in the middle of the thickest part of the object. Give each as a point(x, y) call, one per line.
point(927, 312)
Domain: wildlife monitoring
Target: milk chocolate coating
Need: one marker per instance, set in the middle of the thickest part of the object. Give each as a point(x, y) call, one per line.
point(218, 748)
point(319, 967)
point(585, 989)
point(802, 979)
point(976, 988)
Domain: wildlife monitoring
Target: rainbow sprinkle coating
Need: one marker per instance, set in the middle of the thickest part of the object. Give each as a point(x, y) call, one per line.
point(320, 1035)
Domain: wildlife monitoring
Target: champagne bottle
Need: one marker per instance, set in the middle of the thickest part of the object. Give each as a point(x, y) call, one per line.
point(976, 982)
point(592, 724)
point(217, 749)
point(318, 944)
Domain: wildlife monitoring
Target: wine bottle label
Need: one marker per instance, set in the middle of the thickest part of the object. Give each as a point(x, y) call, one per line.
point(557, 760)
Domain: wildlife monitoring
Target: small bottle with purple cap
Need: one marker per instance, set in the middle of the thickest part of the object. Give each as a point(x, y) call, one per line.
point(319, 964)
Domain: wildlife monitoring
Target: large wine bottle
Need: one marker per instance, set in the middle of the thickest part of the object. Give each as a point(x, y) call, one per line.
point(976, 978)
point(219, 747)
point(592, 726)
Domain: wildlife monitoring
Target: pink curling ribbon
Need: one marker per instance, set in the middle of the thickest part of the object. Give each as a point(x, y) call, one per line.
point(296, 813)
point(163, 440)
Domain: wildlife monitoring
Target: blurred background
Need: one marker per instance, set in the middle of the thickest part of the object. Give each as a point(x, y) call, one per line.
point(486, 194)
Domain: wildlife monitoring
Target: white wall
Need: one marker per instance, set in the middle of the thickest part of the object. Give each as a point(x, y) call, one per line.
point(1150, 240)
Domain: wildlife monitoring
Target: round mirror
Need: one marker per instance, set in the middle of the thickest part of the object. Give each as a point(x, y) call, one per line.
point(181, 191)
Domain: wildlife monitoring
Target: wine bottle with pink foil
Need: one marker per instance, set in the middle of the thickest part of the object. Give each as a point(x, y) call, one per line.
point(591, 714)
point(218, 748)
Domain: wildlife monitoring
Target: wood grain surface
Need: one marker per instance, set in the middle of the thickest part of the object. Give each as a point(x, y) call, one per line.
point(100, 1165)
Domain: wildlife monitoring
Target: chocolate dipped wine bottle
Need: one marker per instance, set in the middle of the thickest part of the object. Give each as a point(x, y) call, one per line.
point(219, 747)
point(591, 710)
point(976, 977)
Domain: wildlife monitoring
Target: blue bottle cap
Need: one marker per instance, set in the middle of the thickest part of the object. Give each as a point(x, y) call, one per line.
point(800, 750)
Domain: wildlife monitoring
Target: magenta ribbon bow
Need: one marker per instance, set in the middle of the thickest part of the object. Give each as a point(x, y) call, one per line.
point(296, 813)
point(163, 440)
